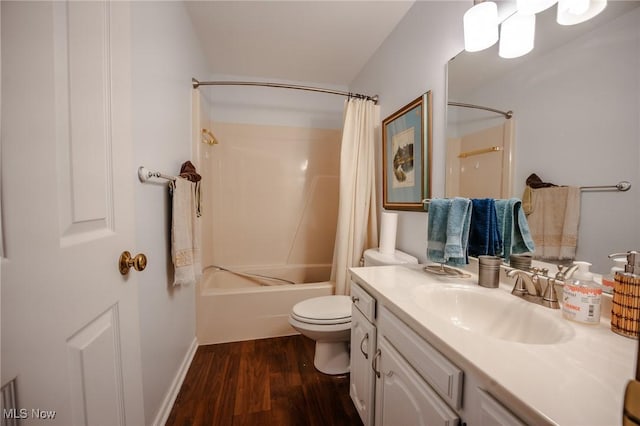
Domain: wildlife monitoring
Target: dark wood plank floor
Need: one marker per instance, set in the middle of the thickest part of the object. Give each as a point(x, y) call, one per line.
point(261, 382)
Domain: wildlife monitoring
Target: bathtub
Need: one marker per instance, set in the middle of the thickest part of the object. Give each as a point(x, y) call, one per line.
point(232, 308)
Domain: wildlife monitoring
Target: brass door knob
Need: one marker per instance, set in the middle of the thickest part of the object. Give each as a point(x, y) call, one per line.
point(139, 262)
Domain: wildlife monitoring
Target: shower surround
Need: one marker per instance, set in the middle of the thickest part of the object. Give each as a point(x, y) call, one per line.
point(269, 203)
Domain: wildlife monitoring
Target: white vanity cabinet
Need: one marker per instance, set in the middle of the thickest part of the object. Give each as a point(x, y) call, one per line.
point(440, 365)
point(363, 348)
point(384, 387)
point(399, 378)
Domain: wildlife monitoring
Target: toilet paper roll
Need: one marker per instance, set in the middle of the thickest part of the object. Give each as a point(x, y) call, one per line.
point(388, 229)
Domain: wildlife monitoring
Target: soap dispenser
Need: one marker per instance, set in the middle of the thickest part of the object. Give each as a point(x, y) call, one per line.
point(581, 296)
point(626, 298)
point(629, 260)
point(619, 263)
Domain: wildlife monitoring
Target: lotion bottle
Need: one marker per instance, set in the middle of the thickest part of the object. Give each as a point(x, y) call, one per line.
point(582, 296)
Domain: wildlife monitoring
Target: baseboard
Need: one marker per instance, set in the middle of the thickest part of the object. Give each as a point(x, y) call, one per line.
point(172, 394)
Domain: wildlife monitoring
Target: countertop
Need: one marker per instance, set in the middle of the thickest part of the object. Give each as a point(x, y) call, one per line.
point(577, 382)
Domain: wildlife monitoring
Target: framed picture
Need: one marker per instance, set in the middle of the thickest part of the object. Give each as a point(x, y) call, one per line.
point(406, 156)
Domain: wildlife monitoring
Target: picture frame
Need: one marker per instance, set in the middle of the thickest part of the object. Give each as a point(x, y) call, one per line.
point(406, 156)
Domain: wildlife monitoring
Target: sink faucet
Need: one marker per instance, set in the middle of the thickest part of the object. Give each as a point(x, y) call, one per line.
point(524, 282)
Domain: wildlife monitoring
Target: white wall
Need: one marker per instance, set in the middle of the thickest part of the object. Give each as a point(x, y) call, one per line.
point(410, 62)
point(274, 106)
point(166, 55)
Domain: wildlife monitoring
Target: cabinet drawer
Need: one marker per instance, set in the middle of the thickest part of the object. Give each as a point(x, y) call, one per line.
point(363, 301)
point(438, 371)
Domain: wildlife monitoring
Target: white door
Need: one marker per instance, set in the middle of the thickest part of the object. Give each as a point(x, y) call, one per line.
point(70, 329)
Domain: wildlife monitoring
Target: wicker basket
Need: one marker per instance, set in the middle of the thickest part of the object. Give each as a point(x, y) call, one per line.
point(625, 311)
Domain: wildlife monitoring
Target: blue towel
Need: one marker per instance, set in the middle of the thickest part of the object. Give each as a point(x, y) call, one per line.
point(458, 221)
point(484, 236)
point(514, 228)
point(437, 229)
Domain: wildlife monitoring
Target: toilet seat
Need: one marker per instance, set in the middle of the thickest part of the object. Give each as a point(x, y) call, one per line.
point(323, 310)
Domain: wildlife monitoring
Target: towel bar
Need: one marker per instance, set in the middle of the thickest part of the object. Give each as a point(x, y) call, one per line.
point(145, 174)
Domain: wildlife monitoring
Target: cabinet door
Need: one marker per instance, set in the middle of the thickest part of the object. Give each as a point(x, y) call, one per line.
point(362, 379)
point(403, 397)
point(492, 413)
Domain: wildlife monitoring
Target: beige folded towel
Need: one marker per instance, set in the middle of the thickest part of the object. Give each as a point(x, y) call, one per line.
point(554, 221)
point(185, 234)
point(527, 205)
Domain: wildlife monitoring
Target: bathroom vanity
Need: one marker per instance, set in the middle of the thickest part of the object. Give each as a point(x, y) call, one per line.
point(431, 350)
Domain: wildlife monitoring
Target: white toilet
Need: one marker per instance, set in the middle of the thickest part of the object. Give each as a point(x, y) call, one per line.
point(327, 319)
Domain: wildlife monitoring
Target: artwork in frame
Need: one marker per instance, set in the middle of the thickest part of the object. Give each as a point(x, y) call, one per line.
point(406, 156)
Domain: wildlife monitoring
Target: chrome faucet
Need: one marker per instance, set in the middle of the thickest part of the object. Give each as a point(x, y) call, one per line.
point(524, 283)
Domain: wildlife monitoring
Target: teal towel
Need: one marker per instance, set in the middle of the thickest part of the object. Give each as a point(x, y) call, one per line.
point(437, 229)
point(512, 222)
point(448, 231)
point(458, 221)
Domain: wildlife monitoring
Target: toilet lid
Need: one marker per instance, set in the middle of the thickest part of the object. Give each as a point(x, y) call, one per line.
point(324, 309)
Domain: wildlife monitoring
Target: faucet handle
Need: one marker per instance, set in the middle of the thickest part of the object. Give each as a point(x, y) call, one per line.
point(550, 297)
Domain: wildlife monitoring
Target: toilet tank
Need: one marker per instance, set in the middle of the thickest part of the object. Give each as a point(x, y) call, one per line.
point(373, 257)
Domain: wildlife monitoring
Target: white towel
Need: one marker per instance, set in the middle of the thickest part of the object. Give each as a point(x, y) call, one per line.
point(185, 234)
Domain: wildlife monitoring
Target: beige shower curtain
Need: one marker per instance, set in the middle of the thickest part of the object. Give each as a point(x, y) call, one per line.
point(357, 223)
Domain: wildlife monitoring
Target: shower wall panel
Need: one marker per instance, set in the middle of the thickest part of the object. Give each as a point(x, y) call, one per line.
point(269, 195)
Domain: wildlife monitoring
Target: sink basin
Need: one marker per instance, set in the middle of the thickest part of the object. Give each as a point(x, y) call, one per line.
point(493, 313)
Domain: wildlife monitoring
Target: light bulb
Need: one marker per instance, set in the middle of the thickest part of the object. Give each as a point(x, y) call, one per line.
point(531, 7)
point(480, 26)
point(517, 35)
point(572, 12)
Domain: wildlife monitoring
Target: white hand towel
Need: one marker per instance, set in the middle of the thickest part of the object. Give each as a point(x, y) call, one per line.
point(185, 234)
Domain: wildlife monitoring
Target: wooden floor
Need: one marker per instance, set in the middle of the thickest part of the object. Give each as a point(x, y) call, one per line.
point(261, 382)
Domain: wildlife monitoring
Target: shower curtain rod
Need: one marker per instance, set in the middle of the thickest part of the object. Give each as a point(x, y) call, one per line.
point(507, 114)
point(197, 84)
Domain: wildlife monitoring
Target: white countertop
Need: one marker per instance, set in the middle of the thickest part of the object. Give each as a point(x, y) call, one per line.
point(577, 382)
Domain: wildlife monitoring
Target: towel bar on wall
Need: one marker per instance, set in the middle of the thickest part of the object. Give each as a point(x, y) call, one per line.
point(479, 151)
point(145, 174)
point(620, 186)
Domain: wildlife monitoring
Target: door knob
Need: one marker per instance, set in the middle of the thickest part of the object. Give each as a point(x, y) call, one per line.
point(139, 262)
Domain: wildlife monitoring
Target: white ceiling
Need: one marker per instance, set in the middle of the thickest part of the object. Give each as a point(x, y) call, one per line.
point(306, 41)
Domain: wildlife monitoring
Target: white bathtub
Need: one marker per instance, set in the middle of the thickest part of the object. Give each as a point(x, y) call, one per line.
point(233, 308)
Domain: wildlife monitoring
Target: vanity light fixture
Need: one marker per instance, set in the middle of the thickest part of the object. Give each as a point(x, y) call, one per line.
point(480, 26)
point(534, 6)
point(517, 34)
point(572, 12)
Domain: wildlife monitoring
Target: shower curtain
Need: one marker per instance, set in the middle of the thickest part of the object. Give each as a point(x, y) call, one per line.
point(357, 222)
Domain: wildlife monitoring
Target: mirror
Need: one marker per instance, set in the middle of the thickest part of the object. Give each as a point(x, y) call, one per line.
point(576, 112)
